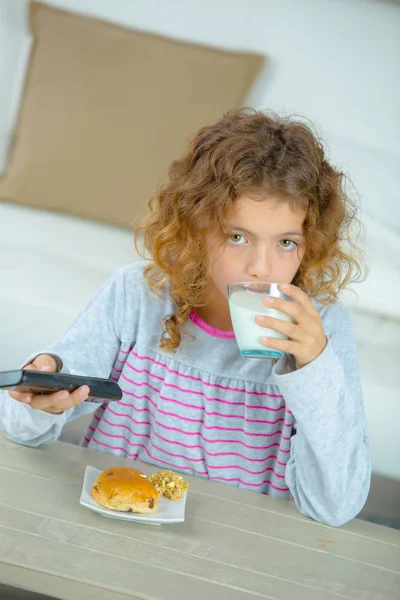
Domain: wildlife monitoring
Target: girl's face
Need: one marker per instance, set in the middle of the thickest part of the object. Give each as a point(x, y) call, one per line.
point(266, 243)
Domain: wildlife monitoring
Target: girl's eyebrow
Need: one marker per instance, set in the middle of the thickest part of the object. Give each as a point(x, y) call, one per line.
point(286, 233)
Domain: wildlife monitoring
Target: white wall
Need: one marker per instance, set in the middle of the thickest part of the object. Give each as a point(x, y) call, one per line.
point(336, 62)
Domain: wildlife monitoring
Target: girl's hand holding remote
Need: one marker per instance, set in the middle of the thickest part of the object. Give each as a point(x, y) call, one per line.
point(52, 403)
point(306, 335)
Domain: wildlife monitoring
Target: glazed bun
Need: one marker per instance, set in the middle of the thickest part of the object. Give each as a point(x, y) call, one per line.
point(127, 490)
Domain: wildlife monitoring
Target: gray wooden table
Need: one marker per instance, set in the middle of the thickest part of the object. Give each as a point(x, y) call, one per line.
point(233, 545)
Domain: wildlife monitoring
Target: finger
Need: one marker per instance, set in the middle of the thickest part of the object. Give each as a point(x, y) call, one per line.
point(45, 362)
point(33, 366)
point(21, 397)
point(293, 309)
point(48, 401)
point(287, 346)
point(292, 330)
point(60, 401)
point(297, 295)
point(30, 367)
point(77, 397)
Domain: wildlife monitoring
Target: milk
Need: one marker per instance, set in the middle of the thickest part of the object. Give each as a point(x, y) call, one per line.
point(244, 306)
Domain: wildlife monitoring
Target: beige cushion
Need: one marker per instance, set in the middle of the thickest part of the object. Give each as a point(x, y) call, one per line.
point(106, 109)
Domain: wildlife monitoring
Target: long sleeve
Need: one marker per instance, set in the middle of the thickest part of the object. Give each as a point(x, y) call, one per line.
point(329, 469)
point(89, 347)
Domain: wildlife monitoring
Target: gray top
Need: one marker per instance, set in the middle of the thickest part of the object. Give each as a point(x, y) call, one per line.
point(207, 411)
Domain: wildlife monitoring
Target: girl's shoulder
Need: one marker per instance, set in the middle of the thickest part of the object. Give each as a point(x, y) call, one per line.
point(131, 278)
point(135, 284)
point(132, 272)
point(143, 310)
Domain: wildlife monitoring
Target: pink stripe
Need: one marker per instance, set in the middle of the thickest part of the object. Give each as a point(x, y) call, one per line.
point(222, 387)
point(213, 453)
point(129, 416)
point(86, 439)
point(209, 414)
point(219, 333)
point(143, 397)
point(195, 392)
point(182, 418)
point(218, 466)
point(197, 446)
point(183, 432)
point(226, 454)
point(124, 351)
point(181, 467)
point(185, 457)
point(150, 456)
point(121, 437)
point(141, 384)
point(148, 423)
point(209, 427)
point(146, 435)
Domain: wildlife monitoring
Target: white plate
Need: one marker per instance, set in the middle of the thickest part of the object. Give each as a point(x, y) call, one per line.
point(168, 511)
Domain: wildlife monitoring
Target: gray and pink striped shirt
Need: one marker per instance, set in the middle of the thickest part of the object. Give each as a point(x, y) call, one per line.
point(207, 411)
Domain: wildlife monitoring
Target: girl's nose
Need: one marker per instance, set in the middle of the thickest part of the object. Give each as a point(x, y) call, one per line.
point(260, 266)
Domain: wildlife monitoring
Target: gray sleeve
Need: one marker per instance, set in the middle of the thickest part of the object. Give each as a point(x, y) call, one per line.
point(89, 347)
point(329, 468)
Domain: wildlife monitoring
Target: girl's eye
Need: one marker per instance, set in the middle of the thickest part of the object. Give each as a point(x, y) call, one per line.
point(287, 244)
point(237, 239)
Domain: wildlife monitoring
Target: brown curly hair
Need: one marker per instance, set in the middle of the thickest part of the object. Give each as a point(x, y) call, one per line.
point(246, 149)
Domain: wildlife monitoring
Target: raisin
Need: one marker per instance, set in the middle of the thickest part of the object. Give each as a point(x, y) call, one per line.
point(109, 474)
point(96, 488)
point(151, 502)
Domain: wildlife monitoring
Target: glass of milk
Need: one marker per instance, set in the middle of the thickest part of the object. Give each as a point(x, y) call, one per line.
point(245, 303)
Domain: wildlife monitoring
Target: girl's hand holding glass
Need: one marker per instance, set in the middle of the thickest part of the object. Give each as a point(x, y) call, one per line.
point(306, 335)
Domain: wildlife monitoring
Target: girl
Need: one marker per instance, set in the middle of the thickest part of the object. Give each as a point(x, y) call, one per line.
point(254, 199)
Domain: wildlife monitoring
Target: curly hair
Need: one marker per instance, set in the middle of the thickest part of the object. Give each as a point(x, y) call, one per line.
point(247, 149)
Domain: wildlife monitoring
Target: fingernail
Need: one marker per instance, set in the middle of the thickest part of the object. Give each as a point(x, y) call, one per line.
point(268, 300)
point(259, 320)
point(265, 340)
point(83, 392)
point(45, 368)
point(284, 286)
point(26, 399)
point(63, 395)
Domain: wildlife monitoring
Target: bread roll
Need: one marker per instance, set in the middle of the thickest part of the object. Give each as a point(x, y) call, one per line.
point(126, 489)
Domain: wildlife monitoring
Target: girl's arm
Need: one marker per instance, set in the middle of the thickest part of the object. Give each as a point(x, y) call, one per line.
point(329, 469)
point(89, 347)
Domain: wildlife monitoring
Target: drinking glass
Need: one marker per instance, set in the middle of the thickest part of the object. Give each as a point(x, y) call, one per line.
point(245, 303)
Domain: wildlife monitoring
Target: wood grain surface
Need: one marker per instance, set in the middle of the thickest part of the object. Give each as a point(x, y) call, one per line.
point(234, 544)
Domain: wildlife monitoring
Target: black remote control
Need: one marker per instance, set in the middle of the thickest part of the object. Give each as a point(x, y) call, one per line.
point(42, 382)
